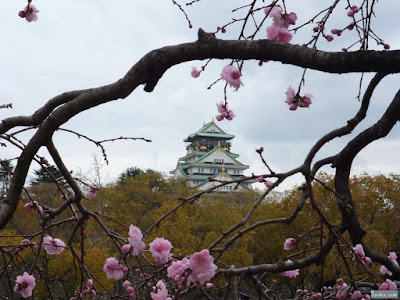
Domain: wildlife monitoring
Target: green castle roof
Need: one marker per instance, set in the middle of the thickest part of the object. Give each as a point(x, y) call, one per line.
point(202, 132)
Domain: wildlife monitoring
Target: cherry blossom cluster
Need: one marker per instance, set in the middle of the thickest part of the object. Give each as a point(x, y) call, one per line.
point(198, 269)
point(393, 257)
point(136, 240)
point(160, 292)
point(340, 291)
point(53, 246)
point(290, 273)
point(267, 183)
point(224, 112)
point(114, 269)
point(388, 285)
point(278, 31)
point(359, 251)
point(353, 10)
point(34, 205)
point(88, 291)
point(29, 12)
point(129, 289)
point(25, 243)
point(295, 100)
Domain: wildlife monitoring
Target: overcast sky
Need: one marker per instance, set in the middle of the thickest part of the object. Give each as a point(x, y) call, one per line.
point(82, 44)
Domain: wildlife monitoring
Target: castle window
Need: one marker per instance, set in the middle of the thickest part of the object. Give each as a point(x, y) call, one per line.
point(218, 161)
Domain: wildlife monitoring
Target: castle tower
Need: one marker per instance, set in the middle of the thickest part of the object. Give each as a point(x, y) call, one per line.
point(208, 155)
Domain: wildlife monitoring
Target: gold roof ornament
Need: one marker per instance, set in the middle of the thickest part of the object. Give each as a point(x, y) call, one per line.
point(219, 144)
point(213, 120)
point(223, 168)
point(204, 123)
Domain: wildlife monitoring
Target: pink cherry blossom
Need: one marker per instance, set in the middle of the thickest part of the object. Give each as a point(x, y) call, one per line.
point(202, 266)
point(29, 14)
point(290, 94)
point(161, 292)
point(393, 257)
point(385, 270)
point(126, 248)
point(359, 250)
point(329, 38)
point(294, 100)
point(279, 18)
point(232, 76)
point(130, 289)
point(195, 72)
point(274, 11)
point(126, 283)
point(89, 283)
point(113, 268)
point(225, 112)
point(62, 198)
point(35, 206)
point(341, 295)
point(25, 243)
point(209, 285)
point(289, 244)
point(356, 295)
point(53, 246)
point(260, 179)
point(160, 249)
point(91, 194)
point(306, 100)
point(279, 34)
point(388, 285)
point(177, 269)
point(25, 285)
point(201, 261)
point(290, 273)
point(135, 239)
point(268, 184)
point(350, 13)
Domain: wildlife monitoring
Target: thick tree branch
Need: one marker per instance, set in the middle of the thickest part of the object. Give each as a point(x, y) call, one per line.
point(344, 161)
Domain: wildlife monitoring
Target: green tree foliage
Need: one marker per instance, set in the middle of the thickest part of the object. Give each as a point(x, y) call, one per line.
point(130, 172)
point(150, 195)
point(47, 175)
point(5, 180)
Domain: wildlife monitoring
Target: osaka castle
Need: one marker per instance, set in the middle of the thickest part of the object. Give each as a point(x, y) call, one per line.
point(209, 156)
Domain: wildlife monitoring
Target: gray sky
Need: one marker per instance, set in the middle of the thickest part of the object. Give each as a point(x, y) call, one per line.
point(82, 44)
